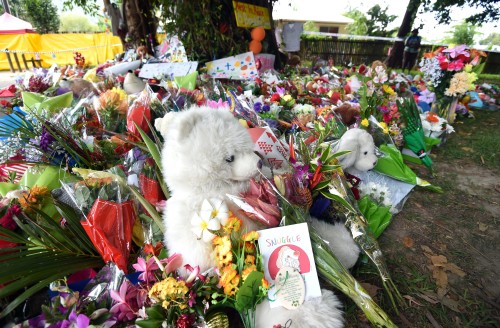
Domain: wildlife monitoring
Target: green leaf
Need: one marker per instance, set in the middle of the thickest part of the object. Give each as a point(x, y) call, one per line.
point(322, 185)
point(155, 312)
point(337, 199)
point(149, 323)
point(246, 298)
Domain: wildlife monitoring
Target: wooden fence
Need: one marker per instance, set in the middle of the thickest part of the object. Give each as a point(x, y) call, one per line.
point(355, 51)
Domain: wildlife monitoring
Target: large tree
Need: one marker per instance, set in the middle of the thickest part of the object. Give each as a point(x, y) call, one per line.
point(42, 14)
point(489, 11)
point(139, 21)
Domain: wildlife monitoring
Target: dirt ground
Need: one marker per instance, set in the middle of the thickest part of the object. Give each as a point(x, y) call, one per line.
point(443, 249)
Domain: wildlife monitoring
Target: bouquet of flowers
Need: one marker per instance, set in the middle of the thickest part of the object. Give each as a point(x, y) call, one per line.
point(450, 72)
point(108, 216)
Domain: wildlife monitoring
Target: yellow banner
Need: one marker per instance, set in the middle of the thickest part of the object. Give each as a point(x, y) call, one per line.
point(251, 15)
point(58, 48)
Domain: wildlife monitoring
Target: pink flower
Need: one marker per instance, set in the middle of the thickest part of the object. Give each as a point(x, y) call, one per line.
point(457, 51)
point(280, 91)
point(195, 272)
point(456, 65)
point(217, 104)
point(146, 268)
point(121, 309)
point(174, 262)
point(192, 298)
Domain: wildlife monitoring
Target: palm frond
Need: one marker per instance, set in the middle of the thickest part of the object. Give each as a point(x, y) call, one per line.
point(46, 252)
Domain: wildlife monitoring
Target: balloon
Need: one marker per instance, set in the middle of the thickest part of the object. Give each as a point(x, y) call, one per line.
point(255, 46)
point(258, 33)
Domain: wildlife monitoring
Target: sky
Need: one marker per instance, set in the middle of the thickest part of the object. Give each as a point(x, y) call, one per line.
point(431, 31)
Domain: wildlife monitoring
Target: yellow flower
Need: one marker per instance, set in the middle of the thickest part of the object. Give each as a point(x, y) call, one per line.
point(388, 89)
point(223, 252)
point(468, 68)
point(170, 291)
point(249, 247)
point(35, 196)
point(250, 236)
point(384, 127)
point(365, 122)
point(287, 98)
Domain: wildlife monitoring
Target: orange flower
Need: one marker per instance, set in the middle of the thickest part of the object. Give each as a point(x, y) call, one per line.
point(250, 236)
point(249, 259)
point(432, 117)
point(33, 197)
point(232, 287)
point(228, 273)
point(265, 283)
point(247, 271)
point(222, 244)
point(249, 247)
point(232, 224)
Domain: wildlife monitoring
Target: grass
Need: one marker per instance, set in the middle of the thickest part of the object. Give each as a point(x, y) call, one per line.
point(476, 139)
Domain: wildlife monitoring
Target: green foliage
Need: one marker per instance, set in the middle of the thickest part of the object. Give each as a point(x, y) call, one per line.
point(493, 39)
point(310, 26)
point(462, 33)
point(378, 20)
point(359, 27)
point(489, 10)
point(373, 23)
point(76, 23)
point(42, 14)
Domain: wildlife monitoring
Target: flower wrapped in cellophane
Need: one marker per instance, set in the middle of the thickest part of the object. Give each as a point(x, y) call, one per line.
point(108, 215)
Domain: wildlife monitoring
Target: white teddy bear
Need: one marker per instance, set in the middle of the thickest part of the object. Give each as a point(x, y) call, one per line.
point(362, 156)
point(207, 155)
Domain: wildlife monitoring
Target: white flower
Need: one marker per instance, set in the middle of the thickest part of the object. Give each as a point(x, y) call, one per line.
point(213, 214)
point(381, 76)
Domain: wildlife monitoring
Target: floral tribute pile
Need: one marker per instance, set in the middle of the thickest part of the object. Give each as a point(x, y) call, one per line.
point(82, 191)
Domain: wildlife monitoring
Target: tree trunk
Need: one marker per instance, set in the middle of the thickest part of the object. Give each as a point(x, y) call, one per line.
point(141, 24)
point(396, 57)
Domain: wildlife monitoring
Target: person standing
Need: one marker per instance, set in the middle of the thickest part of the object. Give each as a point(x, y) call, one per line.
point(412, 45)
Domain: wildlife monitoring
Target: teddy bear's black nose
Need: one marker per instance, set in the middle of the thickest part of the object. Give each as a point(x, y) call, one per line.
point(259, 164)
point(374, 163)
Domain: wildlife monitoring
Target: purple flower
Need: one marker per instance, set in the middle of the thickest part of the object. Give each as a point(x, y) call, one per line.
point(273, 124)
point(302, 174)
point(45, 139)
point(257, 107)
point(266, 108)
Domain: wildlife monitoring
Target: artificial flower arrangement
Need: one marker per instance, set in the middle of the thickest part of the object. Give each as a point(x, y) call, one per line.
point(450, 73)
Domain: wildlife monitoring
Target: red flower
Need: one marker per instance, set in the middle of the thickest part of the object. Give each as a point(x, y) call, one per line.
point(362, 69)
point(335, 97)
point(387, 118)
point(315, 101)
point(347, 88)
point(443, 65)
point(275, 97)
point(12, 88)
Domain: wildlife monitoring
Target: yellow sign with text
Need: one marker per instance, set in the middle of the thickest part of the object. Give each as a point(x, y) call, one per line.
point(251, 15)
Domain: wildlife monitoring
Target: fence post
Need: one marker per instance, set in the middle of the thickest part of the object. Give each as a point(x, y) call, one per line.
point(7, 53)
point(24, 61)
point(17, 62)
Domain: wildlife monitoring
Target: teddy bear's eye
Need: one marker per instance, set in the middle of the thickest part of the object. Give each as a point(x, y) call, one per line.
point(230, 159)
point(366, 153)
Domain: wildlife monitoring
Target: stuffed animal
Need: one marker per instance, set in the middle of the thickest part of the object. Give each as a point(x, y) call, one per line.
point(362, 156)
point(348, 113)
point(207, 155)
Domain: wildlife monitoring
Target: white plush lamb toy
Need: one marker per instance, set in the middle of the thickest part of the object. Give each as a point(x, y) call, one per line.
point(362, 156)
point(206, 155)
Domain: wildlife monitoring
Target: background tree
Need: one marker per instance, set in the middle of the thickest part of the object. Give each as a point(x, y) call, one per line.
point(378, 20)
point(42, 14)
point(15, 9)
point(491, 40)
point(462, 33)
point(373, 23)
point(360, 24)
point(490, 12)
point(76, 23)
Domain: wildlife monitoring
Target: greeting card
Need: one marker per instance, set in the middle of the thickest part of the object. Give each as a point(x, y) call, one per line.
point(269, 147)
point(238, 67)
point(289, 265)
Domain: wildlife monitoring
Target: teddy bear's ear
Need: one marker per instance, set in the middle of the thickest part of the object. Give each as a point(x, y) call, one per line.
point(185, 122)
point(164, 123)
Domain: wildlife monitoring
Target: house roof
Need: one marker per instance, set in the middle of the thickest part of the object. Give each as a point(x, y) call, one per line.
point(304, 12)
point(12, 25)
